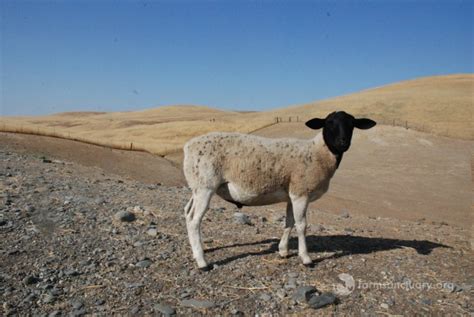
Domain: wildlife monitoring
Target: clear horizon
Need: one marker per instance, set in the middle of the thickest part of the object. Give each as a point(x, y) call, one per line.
point(245, 56)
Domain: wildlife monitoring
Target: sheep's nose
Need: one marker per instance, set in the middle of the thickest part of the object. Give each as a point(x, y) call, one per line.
point(342, 141)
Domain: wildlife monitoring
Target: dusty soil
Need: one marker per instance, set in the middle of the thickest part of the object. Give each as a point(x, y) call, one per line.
point(399, 173)
point(140, 166)
point(64, 252)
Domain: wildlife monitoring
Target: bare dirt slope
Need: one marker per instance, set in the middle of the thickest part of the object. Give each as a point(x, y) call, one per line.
point(394, 172)
point(140, 166)
point(64, 251)
point(388, 172)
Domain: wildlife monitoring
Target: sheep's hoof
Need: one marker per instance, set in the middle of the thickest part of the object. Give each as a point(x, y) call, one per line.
point(205, 268)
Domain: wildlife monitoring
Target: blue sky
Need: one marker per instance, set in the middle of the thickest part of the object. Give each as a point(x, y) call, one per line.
point(247, 55)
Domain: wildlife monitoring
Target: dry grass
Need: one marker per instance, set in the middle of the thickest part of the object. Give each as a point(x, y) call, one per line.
point(440, 105)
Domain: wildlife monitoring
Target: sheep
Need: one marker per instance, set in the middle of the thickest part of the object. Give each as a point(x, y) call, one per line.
point(249, 170)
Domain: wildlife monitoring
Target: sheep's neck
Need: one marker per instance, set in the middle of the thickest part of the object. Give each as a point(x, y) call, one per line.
point(335, 152)
point(322, 149)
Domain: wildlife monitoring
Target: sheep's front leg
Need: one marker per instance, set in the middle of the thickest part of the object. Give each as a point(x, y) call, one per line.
point(289, 223)
point(194, 215)
point(300, 204)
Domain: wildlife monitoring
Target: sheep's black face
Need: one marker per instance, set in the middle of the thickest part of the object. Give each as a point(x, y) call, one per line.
point(337, 129)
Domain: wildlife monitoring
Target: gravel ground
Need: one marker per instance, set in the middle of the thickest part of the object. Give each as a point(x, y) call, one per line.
point(75, 240)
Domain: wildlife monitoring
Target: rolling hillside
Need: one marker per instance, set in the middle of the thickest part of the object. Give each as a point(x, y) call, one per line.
point(440, 105)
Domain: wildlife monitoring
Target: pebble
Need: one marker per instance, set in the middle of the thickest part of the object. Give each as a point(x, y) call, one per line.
point(143, 263)
point(78, 312)
point(303, 293)
point(165, 309)
point(153, 232)
point(30, 298)
point(345, 214)
point(31, 279)
point(99, 201)
point(135, 310)
point(242, 218)
point(319, 301)
point(194, 303)
point(100, 302)
point(452, 288)
point(124, 216)
point(384, 305)
point(291, 283)
point(265, 297)
point(48, 298)
point(76, 304)
point(71, 273)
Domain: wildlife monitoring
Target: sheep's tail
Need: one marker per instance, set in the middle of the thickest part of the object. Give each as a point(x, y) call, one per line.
point(188, 206)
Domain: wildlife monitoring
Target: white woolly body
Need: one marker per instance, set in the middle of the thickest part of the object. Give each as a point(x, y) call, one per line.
point(252, 170)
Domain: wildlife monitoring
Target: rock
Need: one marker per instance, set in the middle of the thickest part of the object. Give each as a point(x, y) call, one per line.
point(48, 298)
point(345, 214)
point(30, 298)
point(194, 303)
point(277, 218)
point(100, 302)
point(291, 283)
point(384, 305)
point(426, 301)
point(164, 309)
point(124, 216)
point(242, 218)
point(76, 304)
point(318, 228)
point(135, 310)
point(319, 301)
point(237, 312)
point(31, 279)
point(143, 263)
point(452, 288)
point(265, 297)
point(78, 312)
point(281, 293)
point(71, 272)
point(99, 201)
point(134, 285)
point(138, 209)
point(303, 293)
point(153, 232)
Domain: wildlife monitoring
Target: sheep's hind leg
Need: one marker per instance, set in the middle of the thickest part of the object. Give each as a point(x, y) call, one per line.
point(300, 204)
point(289, 223)
point(195, 211)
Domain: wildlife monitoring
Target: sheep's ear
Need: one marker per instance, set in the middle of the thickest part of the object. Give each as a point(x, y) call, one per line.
point(364, 123)
point(315, 123)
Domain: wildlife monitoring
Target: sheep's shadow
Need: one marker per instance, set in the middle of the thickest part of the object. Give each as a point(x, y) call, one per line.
point(341, 245)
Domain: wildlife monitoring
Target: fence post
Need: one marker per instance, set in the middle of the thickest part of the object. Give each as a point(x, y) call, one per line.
point(131, 146)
